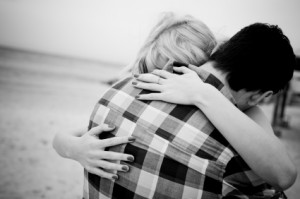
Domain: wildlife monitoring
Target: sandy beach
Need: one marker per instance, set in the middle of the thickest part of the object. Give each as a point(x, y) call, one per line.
point(42, 95)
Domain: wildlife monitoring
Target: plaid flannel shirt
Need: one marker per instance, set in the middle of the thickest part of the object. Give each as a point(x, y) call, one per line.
point(178, 152)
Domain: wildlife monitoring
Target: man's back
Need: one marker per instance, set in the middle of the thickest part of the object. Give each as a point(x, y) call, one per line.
point(178, 152)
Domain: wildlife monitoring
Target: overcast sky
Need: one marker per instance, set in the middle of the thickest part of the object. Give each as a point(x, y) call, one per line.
point(112, 30)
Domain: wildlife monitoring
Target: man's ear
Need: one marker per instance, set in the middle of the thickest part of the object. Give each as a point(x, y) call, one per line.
point(257, 97)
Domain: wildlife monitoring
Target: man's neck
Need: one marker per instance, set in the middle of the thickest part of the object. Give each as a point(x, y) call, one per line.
point(209, 67)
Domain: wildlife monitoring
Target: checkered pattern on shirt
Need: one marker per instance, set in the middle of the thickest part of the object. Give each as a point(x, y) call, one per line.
point(178, 152)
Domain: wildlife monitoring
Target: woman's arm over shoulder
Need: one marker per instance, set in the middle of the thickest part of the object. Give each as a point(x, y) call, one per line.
point(287, 171)
point(250, 134)
point(258, 116)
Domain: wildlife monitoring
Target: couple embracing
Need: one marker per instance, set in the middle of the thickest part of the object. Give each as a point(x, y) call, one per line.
point(186, 123)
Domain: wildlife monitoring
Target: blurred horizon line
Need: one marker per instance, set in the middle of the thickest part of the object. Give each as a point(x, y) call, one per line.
point(54, 57)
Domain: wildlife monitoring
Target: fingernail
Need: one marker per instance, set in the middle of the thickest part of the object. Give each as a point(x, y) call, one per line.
point(131, 139)
point(137, 97)
point(134, 83)
point(136, 75)
point(125, 168)
point(111, 126)
point(130, 158)
point(115, 177)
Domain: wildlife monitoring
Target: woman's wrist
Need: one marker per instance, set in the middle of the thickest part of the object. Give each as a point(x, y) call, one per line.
point(71, 148)
point(65, 145)
point(204, 97)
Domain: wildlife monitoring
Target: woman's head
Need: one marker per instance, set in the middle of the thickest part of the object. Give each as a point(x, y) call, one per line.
point(183, 39)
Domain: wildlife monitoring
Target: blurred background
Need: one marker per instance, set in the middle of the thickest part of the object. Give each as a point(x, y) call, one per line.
point(57, 55)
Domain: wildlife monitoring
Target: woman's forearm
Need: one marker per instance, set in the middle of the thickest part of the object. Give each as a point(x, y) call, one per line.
point(64, 143)
point(262, 151)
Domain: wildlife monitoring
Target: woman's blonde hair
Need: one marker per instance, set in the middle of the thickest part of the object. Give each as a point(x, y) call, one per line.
point(183, 39)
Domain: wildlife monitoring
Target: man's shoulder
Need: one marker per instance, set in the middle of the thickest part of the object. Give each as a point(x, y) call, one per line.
point(123, 90)
point(180, 122)
point(124, 94)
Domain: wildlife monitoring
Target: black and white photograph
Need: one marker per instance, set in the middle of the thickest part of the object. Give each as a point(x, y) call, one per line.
point(140, 99)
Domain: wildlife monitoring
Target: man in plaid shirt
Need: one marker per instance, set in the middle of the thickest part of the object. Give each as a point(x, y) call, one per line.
point(178, 152)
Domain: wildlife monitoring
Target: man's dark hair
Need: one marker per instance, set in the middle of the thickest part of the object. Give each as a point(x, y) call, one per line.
point(258, 57)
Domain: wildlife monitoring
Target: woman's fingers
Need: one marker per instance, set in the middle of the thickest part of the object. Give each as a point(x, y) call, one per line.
point(110, 155)
point(150, 96)
point(183, 70)
point(115, 141)
point(148, 86)
point(162, 73)
point(111, 166)
point(149, 78)
point(100, 129)
point(193, 67)
point(103, 174)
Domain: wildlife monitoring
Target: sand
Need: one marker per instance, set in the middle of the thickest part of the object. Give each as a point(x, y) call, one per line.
point(40, 96)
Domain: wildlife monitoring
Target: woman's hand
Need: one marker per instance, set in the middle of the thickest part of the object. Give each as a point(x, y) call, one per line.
point(173, 88)
point(89, 151)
